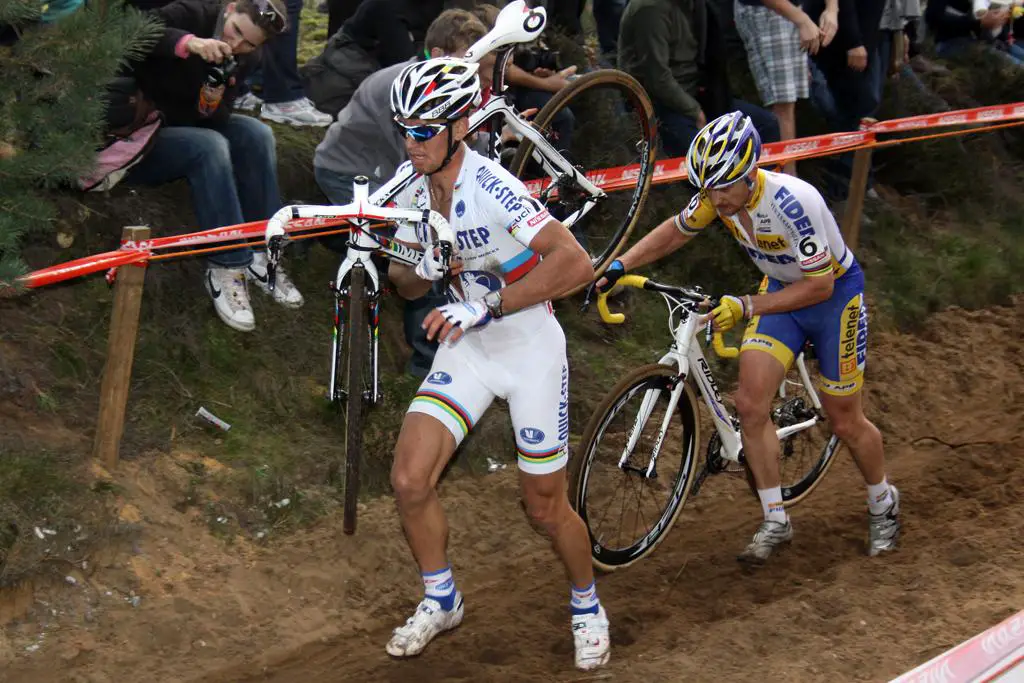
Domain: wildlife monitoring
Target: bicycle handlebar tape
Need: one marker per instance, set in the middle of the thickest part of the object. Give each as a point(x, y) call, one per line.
point(637, 281)
point(721, 349)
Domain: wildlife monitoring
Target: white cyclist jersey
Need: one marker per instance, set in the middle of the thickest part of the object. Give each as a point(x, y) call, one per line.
point(494, 219)
point(795, 235)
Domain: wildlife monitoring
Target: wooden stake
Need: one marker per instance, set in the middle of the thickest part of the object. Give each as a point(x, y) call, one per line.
point(117, 371)
point(855, 197)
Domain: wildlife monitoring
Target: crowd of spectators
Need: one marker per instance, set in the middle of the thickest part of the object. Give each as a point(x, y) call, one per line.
point(218, 58)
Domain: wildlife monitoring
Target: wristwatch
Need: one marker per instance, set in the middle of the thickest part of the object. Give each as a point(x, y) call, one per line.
point(493, 302)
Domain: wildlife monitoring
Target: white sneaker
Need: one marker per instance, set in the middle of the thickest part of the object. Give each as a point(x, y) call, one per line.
point(590, 636)
point(230, 294)
point(770, 535)
point(424, 625)
point(285, 292)
point(248, 102)
point(300, 112)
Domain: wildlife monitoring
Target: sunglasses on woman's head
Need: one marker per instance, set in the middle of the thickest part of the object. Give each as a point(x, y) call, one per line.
point(269, 17)
point(420, 133)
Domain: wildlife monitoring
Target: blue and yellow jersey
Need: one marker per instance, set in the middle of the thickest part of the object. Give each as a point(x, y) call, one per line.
point(795, 235)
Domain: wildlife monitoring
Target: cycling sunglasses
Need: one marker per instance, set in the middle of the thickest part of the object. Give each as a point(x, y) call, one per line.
point(269, 17)
point(420, 133)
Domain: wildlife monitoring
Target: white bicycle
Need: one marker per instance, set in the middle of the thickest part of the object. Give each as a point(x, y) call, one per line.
point(642, 442)
point(355, 383)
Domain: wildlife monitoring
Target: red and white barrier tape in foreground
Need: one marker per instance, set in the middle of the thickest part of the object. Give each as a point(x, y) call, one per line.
point(608, 179)
point(993, 655)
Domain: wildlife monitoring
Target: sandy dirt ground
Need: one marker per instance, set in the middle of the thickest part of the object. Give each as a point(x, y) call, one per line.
point(318, 606)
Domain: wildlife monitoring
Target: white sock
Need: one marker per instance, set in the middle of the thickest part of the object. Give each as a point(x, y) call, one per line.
point(879, 497)
point(771, 504)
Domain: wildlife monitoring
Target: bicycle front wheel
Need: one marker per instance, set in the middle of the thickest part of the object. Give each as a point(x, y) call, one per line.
point(601, 120)
point(635, 465)
point(355, 364)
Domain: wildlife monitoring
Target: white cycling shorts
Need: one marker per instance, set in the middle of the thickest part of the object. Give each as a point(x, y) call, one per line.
point(533, 377)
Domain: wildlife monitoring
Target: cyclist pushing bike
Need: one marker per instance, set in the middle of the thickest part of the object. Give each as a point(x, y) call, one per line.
point(813, 289)
point(498, 339)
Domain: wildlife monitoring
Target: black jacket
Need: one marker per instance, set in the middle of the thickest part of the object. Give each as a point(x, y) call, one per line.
point(392, 31)
point(173, 83)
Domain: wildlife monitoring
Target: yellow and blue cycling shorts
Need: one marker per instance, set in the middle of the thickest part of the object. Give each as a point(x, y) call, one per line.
point(838, 328)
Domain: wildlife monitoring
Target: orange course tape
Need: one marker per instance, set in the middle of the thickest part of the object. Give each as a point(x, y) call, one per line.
point(609, 180)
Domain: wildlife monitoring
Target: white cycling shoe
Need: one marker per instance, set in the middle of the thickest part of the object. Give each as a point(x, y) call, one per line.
point(426, 623)
point(590, 636)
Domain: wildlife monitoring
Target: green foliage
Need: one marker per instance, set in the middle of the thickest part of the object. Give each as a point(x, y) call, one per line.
point(51, 110)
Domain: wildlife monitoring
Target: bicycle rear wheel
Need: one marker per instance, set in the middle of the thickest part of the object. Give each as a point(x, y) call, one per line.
point(603, 119)
point(354, 367)
point(624, 433)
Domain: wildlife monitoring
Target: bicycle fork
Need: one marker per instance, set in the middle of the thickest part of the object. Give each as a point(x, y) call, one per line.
point(651, 397)
point(335, 392)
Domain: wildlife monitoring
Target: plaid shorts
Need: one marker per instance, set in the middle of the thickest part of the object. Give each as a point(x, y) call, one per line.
point(773, 51)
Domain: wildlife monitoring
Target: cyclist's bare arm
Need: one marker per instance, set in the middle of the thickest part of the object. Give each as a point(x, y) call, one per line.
point(658, 243)
point(806, 292)
point(407, 283)
point(564, 265)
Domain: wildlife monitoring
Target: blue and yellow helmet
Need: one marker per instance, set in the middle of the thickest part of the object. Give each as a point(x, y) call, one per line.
point(723, 152)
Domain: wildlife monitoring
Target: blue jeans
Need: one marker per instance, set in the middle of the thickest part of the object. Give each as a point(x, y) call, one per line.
point(278, 73)
point(843, 97)
point(338, 188)
point(231, 168)
point(678, 130)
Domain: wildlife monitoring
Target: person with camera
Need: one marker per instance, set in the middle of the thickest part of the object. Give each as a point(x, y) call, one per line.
point(192, 75)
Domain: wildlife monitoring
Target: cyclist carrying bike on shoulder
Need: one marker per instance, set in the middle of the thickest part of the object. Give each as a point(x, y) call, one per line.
point(813, 289)
point(501, 340)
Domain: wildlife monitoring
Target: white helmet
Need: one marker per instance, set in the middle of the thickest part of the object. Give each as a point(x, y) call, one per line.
point(443, 88)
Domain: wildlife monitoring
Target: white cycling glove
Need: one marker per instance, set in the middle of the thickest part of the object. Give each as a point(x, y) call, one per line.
point(430, 266)
point(466, 314)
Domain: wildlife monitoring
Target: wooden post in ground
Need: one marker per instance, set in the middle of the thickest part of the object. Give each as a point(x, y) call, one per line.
point(855, 196)
point(117, 371)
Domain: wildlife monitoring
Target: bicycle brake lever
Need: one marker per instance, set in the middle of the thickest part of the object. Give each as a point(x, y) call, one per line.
point(589, 293)
point(274, 248)
point(445, 252)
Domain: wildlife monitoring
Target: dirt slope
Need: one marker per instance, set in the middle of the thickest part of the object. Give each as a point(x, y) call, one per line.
point(319, 606)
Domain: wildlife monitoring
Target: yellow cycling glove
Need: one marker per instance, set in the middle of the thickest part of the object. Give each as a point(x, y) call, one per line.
point(731, 310)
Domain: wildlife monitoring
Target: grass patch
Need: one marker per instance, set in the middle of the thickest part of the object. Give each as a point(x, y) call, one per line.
point(44, 505)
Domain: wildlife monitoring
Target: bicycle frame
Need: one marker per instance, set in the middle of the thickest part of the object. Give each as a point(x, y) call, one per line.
point(508, 32)
point(361, 243)
point(686, 355)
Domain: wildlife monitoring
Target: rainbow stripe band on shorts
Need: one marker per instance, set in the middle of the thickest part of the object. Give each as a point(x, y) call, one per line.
point(433, 401)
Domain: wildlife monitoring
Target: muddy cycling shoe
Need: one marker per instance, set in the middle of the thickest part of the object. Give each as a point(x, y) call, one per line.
point(884, 528)
point(770, 535)
point(426, 623)
point(590, 637)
